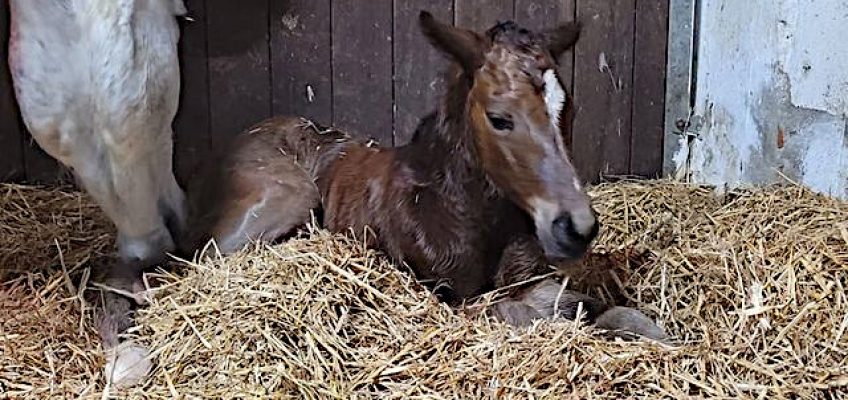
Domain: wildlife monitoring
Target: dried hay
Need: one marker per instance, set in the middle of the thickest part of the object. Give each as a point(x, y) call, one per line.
point(41, 227)
point(48, 240)
point(751, 283)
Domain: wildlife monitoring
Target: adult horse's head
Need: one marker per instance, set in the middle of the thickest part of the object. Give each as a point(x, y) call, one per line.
point(518, 113)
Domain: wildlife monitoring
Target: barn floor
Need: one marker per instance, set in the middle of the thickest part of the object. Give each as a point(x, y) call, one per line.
point(751, 284)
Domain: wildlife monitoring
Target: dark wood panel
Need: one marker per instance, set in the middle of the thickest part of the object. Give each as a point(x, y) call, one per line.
point(649, 65)
point(603, 82)
point(191, 125)
point(239, 72)
point(365, 67)
point(11, 135)
point(301, 58)
point(480, 15)
point(362, 68)
point(41, 168)
point(419, 68)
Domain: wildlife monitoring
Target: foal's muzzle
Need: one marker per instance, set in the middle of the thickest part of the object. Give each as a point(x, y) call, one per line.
point(574, 232)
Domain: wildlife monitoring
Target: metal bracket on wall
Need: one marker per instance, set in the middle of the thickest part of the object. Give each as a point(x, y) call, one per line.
point(689, 126)
point(680, 80)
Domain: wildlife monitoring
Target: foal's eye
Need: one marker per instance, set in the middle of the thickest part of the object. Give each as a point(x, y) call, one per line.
point(500, 123)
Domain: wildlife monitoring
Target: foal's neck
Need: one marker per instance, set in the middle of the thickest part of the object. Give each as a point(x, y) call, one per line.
point(443, 158)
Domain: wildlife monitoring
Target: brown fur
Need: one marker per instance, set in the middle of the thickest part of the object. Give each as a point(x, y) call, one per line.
point(458, 204)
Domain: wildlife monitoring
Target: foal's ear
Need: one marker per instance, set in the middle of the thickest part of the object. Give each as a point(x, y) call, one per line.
point(562, 38)
point(463, 46)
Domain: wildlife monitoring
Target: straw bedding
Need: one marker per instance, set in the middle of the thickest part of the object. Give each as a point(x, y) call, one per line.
point(750, 283)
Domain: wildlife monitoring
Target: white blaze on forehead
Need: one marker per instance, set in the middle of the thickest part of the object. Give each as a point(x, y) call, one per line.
point(554, 96)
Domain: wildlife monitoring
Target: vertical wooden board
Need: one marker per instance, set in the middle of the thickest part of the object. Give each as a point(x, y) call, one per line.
point(480, 15)
point(301, 58)
point(541, 15)
point(41, 168)
point(11, 131)
point(649, 66)
point(679, 77)
point(362, 68)
point(419, 68)
point(603, 82)
point(191, 124)
point(239, 72)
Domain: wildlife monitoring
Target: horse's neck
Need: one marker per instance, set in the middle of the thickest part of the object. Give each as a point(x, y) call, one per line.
point(443, 162)
point(443, 157)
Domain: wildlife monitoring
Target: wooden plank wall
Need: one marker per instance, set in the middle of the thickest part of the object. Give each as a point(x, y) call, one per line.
point(363, 66)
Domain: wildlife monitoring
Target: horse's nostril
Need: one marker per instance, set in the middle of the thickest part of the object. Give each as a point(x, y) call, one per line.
point(562, 224)
point(565, 229)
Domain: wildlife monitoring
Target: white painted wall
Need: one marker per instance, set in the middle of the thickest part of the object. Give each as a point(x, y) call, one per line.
point(772, 88)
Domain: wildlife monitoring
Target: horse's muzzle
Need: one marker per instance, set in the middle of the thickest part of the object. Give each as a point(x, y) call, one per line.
point(573, 235)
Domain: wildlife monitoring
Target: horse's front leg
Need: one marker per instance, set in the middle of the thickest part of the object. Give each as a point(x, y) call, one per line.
point(522, 260)
point(127, 361)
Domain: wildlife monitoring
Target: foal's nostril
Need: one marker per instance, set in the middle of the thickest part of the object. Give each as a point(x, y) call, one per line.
point(565, 229)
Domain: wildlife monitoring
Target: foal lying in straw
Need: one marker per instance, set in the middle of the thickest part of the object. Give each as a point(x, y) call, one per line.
point(484, 197)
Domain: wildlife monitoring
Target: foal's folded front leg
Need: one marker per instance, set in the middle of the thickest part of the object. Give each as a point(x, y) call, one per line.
point(547, 299)
point(521, 261)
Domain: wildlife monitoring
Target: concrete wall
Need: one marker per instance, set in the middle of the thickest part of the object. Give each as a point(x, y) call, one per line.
point(772, 94)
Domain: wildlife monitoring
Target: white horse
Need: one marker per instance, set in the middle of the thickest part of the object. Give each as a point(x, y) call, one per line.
point(98, 84)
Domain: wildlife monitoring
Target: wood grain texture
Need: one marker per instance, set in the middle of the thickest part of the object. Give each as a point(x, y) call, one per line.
point(419, 67)
point(192, 122)
point(362, 68)
point(603, 82)
point(649, 72)
point(480, 15)
point(239, 66)
point(301, 59)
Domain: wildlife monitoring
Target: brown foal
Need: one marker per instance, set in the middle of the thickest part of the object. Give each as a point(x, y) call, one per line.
point(483, 197)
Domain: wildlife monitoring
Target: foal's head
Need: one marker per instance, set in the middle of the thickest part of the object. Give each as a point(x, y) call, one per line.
point(517, 113)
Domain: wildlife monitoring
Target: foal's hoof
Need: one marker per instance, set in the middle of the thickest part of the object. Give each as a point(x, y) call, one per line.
point(631, 321)
point(516, 313)
point(140, 293)
point(127, 364)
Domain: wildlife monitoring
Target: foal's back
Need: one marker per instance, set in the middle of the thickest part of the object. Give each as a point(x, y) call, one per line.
point(280, 173)
point(274, 177)
point(260, 184)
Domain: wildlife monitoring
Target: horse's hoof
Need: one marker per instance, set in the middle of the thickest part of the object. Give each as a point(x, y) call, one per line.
point(127, 365)
point(516, 313)
point(631, 321)
point(140, 293)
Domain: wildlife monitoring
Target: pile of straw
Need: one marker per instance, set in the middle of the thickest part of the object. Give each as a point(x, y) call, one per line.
point(751, 284)
point(49, 239)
